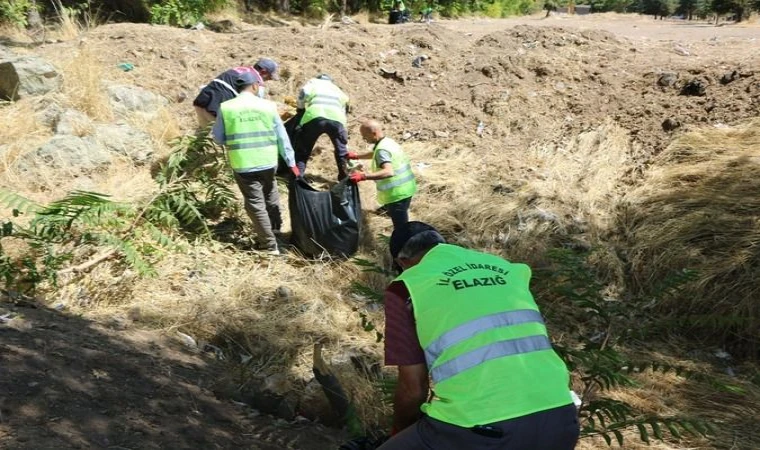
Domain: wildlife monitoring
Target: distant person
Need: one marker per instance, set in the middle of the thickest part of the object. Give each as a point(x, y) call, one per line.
point(253, 133)
point(426, 13)
point(391, 171)
point(321, 109)
point(467, 321)
point(222, 88)
point(398, 13)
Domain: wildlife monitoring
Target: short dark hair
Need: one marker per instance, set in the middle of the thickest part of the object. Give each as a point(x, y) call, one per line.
point(403, 234)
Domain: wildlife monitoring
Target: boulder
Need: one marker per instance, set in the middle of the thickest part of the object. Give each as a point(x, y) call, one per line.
point(124, 140)
point(73, 122)
point(27, 75)
point(127, 100)
point(72, 154)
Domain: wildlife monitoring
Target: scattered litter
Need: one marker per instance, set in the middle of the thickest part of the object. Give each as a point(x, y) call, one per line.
point(576, 399)
point(422, 166)
point(198, 26)
point(5, 318)
point(419, 60)
point(391, 52)
point(187, 340)
point(125, 66)
point(481, 127)
point(244, 405)
point(245, 358)
point(722, 354)
point(681, 51)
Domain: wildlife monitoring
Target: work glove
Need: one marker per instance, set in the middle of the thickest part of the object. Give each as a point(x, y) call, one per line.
point(296, 172)
point(352, 155)
point(356, 177)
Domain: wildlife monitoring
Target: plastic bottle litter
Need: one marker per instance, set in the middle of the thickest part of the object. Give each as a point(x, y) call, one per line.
point(481, 127)
point(125, 66)
point(419, 60)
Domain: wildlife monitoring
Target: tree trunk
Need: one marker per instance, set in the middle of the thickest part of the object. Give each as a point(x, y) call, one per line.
point(343, 8)
point(739, 13)
point(283, 6)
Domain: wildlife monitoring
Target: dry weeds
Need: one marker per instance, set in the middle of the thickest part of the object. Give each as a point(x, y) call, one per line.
point(698, 210)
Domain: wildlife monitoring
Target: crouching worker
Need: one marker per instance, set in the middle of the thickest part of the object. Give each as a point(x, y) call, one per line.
point(468, 320)
point(391, 171)
point(253, 133)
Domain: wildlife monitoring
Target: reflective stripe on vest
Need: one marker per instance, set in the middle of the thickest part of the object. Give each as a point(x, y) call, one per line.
point(324, 99)
point(249, 132)
point(477, 326)
point(485, 343)
point(492, 351)
point(402, 184)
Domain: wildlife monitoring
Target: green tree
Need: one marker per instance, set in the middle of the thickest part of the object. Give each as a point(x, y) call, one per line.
point(739, 8)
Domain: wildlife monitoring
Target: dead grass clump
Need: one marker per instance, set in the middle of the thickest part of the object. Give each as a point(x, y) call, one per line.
point(699, 210)
point(266, 313)
point(82, 84)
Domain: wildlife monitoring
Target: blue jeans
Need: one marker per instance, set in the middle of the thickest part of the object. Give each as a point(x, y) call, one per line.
point(399, 212)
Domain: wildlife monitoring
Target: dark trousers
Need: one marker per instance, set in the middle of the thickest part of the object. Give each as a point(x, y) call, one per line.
point(398, 212)
point(554, 429)
point(308, 135)
point(262, 203)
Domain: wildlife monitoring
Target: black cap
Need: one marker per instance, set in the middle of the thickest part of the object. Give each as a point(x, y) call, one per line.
point(401, 236)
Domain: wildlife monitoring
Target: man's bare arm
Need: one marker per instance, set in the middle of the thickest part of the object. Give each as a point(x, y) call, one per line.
point(411, 393)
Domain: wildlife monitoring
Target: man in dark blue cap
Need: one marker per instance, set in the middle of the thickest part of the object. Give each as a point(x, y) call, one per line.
point(222, 88)
point(467, 321)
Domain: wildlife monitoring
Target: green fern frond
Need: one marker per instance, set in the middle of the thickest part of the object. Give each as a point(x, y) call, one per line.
point(132, 256)
point(18, 202)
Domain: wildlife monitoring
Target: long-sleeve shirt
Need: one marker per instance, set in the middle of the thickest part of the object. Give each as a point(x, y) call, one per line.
point(283, 141)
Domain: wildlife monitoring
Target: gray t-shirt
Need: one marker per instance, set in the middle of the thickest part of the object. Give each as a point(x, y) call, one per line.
point(382, 157)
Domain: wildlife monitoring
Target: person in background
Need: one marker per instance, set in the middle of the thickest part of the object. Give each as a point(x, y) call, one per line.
point(222, 88)
point(252, 132)
point(467, 321)
point(391, 171)
point(321, 109)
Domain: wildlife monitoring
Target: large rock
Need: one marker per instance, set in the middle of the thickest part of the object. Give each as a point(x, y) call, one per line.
point(67, 154)
point(73, 122)
point(27, 75)
point(128, 100)
point(125, 141)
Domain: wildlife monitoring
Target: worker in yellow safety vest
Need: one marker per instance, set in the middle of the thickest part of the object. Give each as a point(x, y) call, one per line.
point(321, 109)
point(251, 130)
point(391, 170)
point(467, 321)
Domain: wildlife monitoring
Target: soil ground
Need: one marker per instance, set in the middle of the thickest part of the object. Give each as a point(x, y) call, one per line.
point(69, 382)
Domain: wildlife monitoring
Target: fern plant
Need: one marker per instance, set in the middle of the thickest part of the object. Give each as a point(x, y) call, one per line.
point(194, 188)
point(601, 326)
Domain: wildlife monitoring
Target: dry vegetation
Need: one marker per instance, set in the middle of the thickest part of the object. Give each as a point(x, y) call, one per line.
point(695, 207)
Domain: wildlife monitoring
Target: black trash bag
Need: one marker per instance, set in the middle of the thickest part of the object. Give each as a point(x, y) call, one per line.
point(325, 221)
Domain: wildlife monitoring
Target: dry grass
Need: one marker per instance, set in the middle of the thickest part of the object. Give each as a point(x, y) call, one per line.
point(82, 84)
point(698, 210)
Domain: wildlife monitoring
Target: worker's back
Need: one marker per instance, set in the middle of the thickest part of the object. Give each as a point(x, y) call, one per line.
point(485, 342)
point(323, 99)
